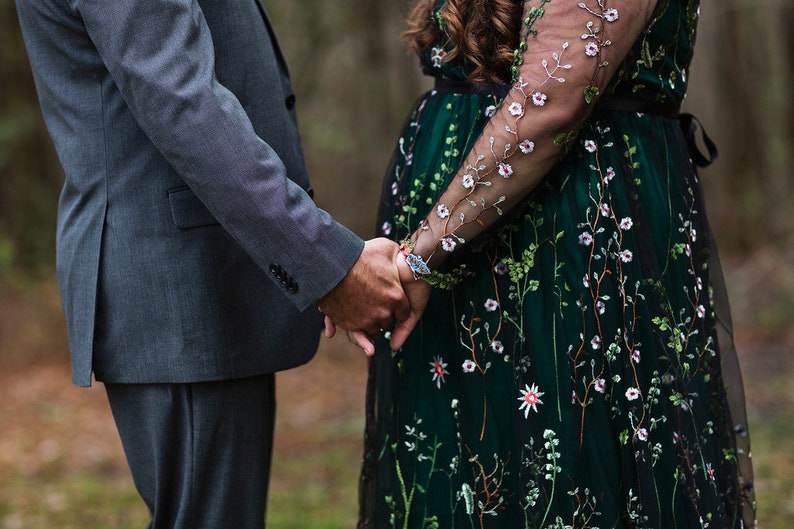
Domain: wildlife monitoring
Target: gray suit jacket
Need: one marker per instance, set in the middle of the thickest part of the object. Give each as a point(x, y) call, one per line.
point(188, 248)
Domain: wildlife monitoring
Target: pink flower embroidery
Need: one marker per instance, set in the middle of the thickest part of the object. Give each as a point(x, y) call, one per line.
point(442, 211)
point(538, 99)
point(642, 434)
point(611, 14)
point(530, 398)
point(439, 370)
point(515, 108)
point(505, 169)
point(526, 146)
point(591, 49)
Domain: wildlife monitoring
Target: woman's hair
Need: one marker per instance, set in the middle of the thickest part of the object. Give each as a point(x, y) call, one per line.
point(483, 32)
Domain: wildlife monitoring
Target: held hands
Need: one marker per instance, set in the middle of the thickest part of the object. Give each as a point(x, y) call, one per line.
point(370, 297)
point(417, 292)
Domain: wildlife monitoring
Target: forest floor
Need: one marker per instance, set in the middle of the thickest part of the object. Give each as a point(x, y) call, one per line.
point(61, 462)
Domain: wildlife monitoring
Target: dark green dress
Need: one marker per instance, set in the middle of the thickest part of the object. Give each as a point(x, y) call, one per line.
point(573, 372)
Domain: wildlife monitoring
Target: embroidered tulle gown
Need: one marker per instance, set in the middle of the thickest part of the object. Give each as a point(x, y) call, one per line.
point(574, 366)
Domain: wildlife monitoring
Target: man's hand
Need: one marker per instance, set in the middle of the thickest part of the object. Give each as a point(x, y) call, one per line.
point(370, 297)
point(418, 293)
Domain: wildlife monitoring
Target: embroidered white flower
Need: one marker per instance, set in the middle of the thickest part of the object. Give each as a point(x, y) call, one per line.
point(439, 370)
point(467, 180)
point(500, 268)
point(437, 55)
point(497, 347)
point(699, 283)
point(490, 111)
point(442, 211)
point(642, 434)
point(610, 174)
point(395, 188)
point(605, 210)
point(448, 244)
point(386, 228)
point(516, 108)
point(611, 14)
point(601, 307)
point(591, 49)
point(585, 239)
point(600, 385)
point(635, 356)
point(701, 311)
point(505, 169)
point(530, 398)
point(491, 305)
point(409, 158)
point(526, 146)
point(683, 75)
point(586, 281)
point(676, 438)
point(688, 250)
point(633, 393)
point(469, 366)
point(626, 223)
point(590, 146)
point(595, 343)
point(693, 235)
point(538, 99)
point(626, 256)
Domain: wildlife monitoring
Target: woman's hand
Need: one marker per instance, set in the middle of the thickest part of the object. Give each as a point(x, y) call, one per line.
point(418, 292)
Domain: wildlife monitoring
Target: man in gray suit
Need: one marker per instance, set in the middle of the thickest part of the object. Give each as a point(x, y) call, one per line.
point(191, 258)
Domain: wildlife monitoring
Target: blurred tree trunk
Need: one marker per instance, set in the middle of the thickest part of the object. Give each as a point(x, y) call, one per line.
point(30, 175)
point(355, 83)
point(741, 89)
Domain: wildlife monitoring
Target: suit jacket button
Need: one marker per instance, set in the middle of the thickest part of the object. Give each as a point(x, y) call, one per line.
point(290, 101)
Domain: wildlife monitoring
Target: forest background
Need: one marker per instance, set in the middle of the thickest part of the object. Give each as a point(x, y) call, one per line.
point(61, 463)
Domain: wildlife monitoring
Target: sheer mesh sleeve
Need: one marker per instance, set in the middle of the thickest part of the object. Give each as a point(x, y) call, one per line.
point(569, 50)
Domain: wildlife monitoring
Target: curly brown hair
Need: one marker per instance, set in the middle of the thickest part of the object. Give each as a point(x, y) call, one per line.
point(484, 32)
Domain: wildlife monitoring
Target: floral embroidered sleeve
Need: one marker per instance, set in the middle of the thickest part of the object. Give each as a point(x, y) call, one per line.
point(569, 51)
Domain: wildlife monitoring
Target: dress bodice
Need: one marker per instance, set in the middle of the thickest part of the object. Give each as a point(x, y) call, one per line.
point(655, 69)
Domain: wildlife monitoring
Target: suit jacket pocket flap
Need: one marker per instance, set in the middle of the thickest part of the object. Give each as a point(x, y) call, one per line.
point(187, 210)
